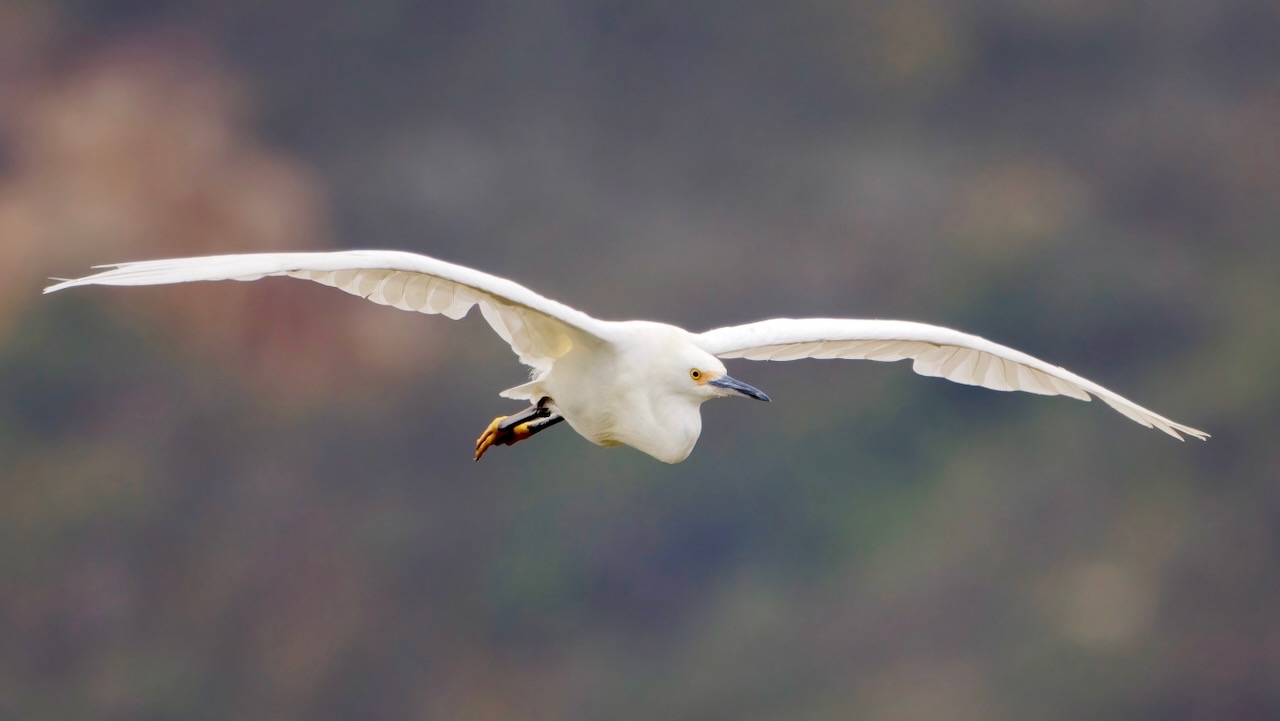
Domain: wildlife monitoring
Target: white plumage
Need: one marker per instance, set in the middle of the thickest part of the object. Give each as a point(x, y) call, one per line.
point(634, 383)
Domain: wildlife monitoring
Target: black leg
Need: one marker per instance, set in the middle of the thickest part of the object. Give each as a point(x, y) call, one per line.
point(507, 430)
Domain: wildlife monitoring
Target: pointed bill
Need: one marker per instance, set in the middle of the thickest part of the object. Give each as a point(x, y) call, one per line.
point(733, 386)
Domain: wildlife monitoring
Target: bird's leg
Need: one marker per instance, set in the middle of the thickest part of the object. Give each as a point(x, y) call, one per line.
point(507, 430)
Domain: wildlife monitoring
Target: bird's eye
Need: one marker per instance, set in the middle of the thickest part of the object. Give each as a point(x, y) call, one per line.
point(695, 374)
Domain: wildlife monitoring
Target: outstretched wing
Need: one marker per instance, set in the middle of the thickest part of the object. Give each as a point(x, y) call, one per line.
point(941, 352)
point(538, 329)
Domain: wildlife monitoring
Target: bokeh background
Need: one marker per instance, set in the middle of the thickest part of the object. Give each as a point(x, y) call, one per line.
point(257, 501)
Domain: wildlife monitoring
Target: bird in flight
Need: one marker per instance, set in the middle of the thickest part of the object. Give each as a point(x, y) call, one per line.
point(634, 383)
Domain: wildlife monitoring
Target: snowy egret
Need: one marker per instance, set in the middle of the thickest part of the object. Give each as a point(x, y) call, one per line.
point(633, 383)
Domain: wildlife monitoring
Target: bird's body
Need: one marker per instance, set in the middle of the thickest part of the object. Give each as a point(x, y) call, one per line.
point(634, 383)
point(624, 392)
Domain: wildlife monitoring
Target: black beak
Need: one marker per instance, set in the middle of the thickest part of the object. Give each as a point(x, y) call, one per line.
point(738, 387)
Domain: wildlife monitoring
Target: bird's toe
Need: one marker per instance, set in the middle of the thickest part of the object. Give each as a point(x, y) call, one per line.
point(490, 436)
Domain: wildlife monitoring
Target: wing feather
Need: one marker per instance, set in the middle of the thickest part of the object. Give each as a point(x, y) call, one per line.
point(935, 351)
point(538, 329)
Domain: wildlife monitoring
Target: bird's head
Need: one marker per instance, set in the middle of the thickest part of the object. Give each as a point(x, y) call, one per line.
point(702, 376)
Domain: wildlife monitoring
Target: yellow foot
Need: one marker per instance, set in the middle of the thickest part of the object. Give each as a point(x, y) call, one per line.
point(496, 436)
point(489, 437)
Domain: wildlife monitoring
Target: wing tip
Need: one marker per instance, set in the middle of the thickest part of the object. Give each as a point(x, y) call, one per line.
point(1181, 432)
point(64, 283)
point(57, 286)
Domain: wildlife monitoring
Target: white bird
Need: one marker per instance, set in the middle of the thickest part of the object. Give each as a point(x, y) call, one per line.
point(634, 383)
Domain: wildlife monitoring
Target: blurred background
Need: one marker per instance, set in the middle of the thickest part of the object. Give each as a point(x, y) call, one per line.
point(257, 501)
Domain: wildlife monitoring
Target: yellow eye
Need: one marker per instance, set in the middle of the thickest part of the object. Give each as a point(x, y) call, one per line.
point(695, 374)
